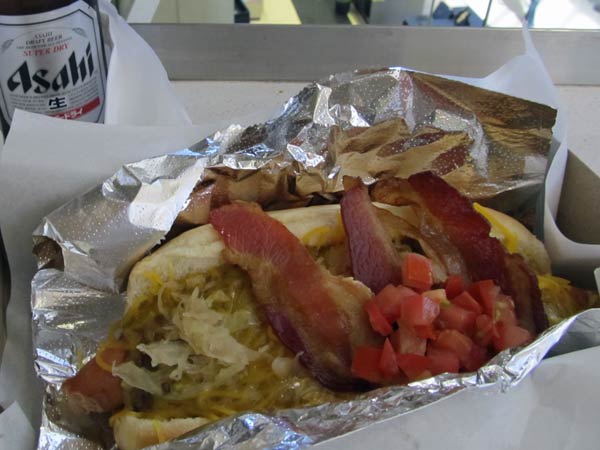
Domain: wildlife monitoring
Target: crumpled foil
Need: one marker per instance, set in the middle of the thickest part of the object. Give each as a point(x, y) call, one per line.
point(371, 124)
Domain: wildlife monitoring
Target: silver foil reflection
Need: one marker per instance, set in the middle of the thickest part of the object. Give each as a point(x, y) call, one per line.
point(370, 124)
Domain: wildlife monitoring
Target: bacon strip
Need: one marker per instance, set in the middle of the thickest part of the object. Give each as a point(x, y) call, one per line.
point(375, 261)
point(520, 282)
point(447, 215)
point(465, 227)
point(311, 310)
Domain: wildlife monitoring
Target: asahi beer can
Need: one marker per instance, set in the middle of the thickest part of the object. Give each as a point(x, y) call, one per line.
point(51, 59)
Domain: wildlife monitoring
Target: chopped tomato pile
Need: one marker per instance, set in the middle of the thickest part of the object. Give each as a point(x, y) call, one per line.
point(452, 328)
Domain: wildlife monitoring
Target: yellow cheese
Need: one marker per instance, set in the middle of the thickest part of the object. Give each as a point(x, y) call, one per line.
point(499, 230)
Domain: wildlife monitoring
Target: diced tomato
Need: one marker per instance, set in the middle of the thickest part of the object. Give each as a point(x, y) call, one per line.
point(504, 310)
point(456, 318)
point(387, 363)
point(419, 310)
point(404, 340)
point(510, 336)
point(389, 301)
point(378, 322)
point(454, 285)
point(485, 292)
point(466, 301)
point(412, 365)
point(441, 360)
point(477, 358)
point(476, 288)
point(417, 272)
point(484, 330)
point(365, 364)
point(439, 295)
point(455, 342)
point(425, 331)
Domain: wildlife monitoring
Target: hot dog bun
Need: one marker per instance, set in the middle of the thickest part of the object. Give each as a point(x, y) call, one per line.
point(133, 432)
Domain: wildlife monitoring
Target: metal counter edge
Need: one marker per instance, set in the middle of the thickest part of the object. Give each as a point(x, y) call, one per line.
point(303, 53)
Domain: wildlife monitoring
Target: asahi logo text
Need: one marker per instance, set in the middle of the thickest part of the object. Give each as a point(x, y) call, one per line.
point(52, 63)
point(69, 75)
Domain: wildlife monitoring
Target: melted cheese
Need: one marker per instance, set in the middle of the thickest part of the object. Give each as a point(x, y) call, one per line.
point(558, 298)
point(325, 235)
point(500, 231)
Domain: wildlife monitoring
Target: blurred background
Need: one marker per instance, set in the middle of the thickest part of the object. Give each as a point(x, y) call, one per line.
point(545, 14)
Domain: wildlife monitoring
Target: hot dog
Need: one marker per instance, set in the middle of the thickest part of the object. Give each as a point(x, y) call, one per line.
point(261, 311)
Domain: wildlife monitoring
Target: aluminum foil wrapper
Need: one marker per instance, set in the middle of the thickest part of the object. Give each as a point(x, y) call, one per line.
point(70, 319)
point(371, 124)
